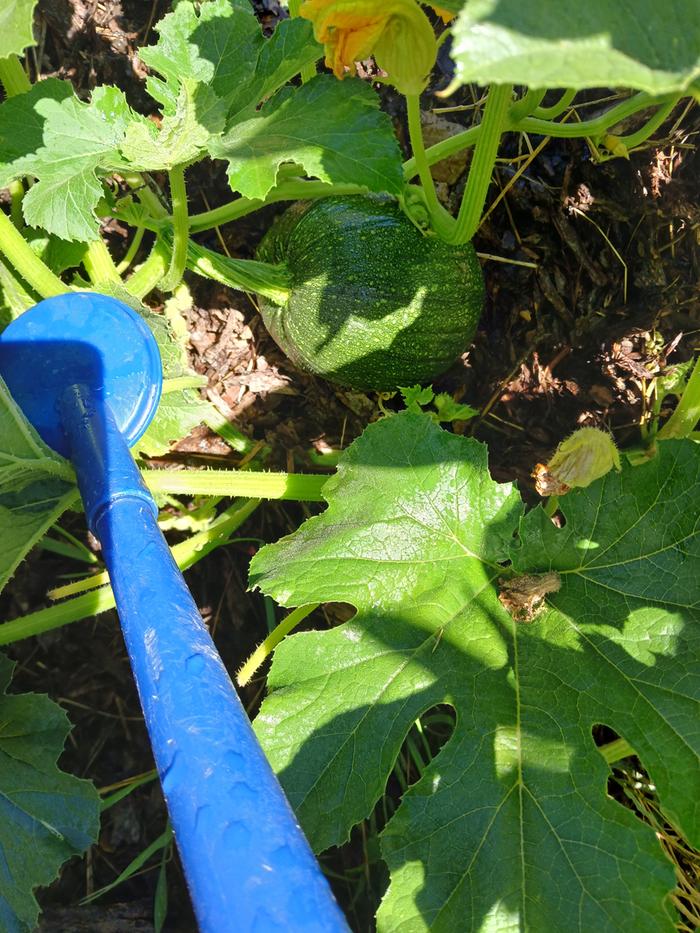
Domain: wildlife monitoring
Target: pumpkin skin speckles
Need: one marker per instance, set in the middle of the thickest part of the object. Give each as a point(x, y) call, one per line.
point(373, 303)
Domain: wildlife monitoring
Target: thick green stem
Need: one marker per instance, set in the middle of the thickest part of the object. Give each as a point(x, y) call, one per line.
point(300, 487)
point(99, 264)
point(443, 150)
point(13, 76)
point(178, 261)
point(21, 256)
point(442, 222)
point(186, 553)
point(685, 418)
point(593, 128)
point(146, 196)
point(297, 190)
point(246, 275)
point(493, 124)
point(131, 252)
point(16, 189)
point(616, 751)
point(150, 272)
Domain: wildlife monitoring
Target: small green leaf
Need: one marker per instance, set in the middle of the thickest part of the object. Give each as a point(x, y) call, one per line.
point(449, 410)
point(16, 17)
point(50, 135)
point(47, 815)
point(644, 45)
point(510, 825)
point(414, 397)
point(333, 128)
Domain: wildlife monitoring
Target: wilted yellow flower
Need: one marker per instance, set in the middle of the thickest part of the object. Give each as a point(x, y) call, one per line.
point(578, 461)
point(396, 31)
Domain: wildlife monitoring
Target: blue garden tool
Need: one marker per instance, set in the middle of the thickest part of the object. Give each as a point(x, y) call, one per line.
point(86, 371)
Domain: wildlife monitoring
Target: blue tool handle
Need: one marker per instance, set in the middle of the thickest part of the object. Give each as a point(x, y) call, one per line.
point(247, 863)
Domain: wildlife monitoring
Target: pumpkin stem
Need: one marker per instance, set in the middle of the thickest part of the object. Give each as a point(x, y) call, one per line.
point(246, 275)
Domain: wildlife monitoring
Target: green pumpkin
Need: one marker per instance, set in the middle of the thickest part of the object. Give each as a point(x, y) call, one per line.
point(373, 302)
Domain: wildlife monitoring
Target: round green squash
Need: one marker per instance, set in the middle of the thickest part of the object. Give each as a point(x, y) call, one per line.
point(373, 303)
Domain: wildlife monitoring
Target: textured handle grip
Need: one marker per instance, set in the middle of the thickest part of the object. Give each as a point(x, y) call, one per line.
point(247, 863)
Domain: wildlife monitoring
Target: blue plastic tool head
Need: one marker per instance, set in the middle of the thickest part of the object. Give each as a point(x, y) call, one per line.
point(88, 339)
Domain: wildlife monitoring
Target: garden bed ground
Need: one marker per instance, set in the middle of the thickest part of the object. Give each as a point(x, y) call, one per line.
point(594, 291)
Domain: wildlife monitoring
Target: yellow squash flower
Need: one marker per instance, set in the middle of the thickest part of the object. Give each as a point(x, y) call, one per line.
point(396, 31)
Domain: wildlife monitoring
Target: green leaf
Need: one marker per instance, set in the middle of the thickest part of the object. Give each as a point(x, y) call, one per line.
point(49, 134)
point(16, 17)
point(510, 826)
point(178, 413)
point(35, 487)
point(26, 516)
point(644, 45)
point(24, 457)
point(289, 49)
point(449, 410)
point(333, 128)
point(213, 61)
point(217, 45)
point(47, 815)
point(58, 254)
point(183, 135)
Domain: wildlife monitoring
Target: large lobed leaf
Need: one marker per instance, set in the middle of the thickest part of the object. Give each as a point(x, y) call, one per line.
point(509, 826)
point(642, 44)
point(47, 815)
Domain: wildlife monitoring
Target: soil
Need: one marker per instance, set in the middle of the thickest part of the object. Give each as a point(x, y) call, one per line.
point(593, 292)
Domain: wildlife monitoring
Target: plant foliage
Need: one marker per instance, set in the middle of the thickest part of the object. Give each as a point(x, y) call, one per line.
point(47, 815)
point(510, 824)
point(645, 45)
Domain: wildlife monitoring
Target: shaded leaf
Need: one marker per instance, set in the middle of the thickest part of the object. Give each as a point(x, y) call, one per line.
point(216, 45)
point(334, 129)
point(510, 825)
point(26, 516)
point(47, 815)
point(290, 47)
point(34, 486)
point(644, 45)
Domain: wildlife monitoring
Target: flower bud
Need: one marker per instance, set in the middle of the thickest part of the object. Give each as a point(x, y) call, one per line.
point(407, 48)
point(578, 461)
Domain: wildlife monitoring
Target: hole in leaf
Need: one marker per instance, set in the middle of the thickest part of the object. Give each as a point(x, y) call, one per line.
point(631, 786)
point(357, 872)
